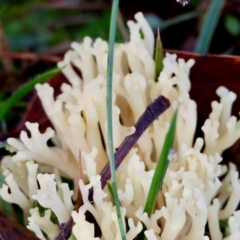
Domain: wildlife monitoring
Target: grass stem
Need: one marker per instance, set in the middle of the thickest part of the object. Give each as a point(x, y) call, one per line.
point(112, 35)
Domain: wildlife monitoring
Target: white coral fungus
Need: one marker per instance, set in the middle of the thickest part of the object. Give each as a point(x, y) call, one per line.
point(192, 195)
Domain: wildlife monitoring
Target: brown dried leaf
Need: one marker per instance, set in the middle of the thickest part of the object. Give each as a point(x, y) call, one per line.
point(10, 230)
point(208, 73)
point(35, 112)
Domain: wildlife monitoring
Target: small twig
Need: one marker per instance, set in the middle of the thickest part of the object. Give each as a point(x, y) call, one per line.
point(80, 176)
point(122, 27)
point(152, 112)
point(66, 229)
point(30, 56)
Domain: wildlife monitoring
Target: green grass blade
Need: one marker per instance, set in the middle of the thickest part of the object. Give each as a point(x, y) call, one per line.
point(110, 189)
point(179, 19)
point(208, 26)
point(25, 89)
point(161, 167)
point(72, 237)
point(110, 114)
point(158, 56)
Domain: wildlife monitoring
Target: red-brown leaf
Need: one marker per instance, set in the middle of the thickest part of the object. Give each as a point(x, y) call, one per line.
point(10, 230)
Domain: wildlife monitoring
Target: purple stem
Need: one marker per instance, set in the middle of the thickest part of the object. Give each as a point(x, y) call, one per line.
point(153, 111)
point(66, 229)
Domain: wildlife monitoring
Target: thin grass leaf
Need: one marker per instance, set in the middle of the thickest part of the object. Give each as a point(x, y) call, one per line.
point(25, 89)
point(110, 188)
point(112, 35)
point(208, 26)
point(3, 125)
point(72, 237)
point(161, 167)
point(179, 19)
point(6, 206)
point(158, 55)
point(156, 22)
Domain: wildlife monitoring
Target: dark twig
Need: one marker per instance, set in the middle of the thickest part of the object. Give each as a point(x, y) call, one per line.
point(66, 229)
point(122, 27)
point(153, 111)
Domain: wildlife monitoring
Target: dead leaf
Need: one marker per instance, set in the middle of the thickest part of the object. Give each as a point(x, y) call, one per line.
point(10, 230)
point(208, 73)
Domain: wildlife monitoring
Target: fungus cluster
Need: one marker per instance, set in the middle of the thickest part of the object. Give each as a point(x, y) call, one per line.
point(192, 195)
